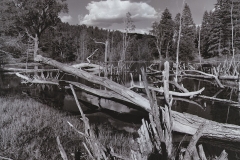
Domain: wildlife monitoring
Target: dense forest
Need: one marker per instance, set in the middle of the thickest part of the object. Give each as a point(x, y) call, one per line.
point(20, 21)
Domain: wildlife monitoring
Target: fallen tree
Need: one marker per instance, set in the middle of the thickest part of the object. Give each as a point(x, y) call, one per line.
point(183, 123)
point(187, 123)
point(125, 92)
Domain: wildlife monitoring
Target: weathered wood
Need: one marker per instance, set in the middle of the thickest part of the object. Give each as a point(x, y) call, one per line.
point(167, 114)
point(28, 70)
point(201, 152)
point(35, 80)
point(88, 67)
point(97, 150)
point(185, 100)
point(204, 75)
point(173, 93)
point(187, 123)
point(183, 123)
point(223, 156)
point(230, 102)
point(192, 145)
point(103, 103)
point(99, 93)
point(62, 151)
point(127, 93)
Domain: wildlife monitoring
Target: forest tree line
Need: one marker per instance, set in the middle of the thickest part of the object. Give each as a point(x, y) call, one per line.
point(22, 21)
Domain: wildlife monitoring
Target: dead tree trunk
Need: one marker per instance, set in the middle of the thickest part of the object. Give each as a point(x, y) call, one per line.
point(135, 98)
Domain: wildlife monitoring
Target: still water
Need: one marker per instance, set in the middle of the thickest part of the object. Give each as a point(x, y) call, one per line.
point(129, 119)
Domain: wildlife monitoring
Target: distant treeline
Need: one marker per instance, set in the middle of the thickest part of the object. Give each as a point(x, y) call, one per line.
point(219, 34)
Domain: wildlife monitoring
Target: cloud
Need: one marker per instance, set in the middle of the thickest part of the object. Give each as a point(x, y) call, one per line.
point(147, 1)
point(67, 18)
point(106, 13)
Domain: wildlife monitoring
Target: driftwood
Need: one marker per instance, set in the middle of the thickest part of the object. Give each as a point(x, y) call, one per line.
point(135, 98)
point(36, 80)
point(187, 123)
point(99, 93)
point(103, 103)
point(202, 155)
point(192, 145)
point(28, 70)
point(234, 103)
point(89, 67)
point(95, 149)
point(204, 75)
point(185, 100)
point(183, 123)
point(173, 93)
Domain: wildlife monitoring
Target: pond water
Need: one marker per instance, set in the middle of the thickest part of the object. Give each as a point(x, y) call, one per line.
point(130, 119)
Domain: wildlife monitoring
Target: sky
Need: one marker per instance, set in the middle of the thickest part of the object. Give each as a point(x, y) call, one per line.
point(110, 14)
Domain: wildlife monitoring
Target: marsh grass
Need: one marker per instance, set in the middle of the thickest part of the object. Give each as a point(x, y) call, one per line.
point(121, 141)
point(28, 130)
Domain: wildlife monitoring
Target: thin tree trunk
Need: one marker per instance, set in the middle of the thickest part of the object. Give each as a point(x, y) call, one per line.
point(178, 43)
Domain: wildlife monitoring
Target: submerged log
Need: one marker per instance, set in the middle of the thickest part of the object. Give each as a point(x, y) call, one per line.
point(204, 75)
point(135, 98)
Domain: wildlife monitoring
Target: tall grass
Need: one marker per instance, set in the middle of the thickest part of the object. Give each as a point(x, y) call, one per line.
point(28, 130)
point(121, 142)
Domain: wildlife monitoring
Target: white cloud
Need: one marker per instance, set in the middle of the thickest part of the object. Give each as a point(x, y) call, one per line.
point(106, 13)
point(67, 18)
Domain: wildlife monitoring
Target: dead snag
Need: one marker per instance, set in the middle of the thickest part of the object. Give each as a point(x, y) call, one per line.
point(192, 145)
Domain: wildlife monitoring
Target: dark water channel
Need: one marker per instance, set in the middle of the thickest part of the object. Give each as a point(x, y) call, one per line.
point(130, 120)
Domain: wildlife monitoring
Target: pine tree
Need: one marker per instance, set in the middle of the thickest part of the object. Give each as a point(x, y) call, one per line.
point(187, 45)
point(167, 26)
point(215, 45)
point(204, 34)
point(222, 28)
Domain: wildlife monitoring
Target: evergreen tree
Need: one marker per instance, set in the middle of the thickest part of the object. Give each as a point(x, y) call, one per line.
point(167, 26)
point(187, 45)
point(204, 34)
point(215, 45)
point(224, 24)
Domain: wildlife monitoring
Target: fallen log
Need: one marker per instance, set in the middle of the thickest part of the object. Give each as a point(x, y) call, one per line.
point(229, 102)
point(188, 124)
point(103, 103)
point(135, 98)
point(173, 93)
point(28, 70)
point(185, 100)
point(89, 67)
point(183, 123)
point(204, 75)
point(99, 93)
